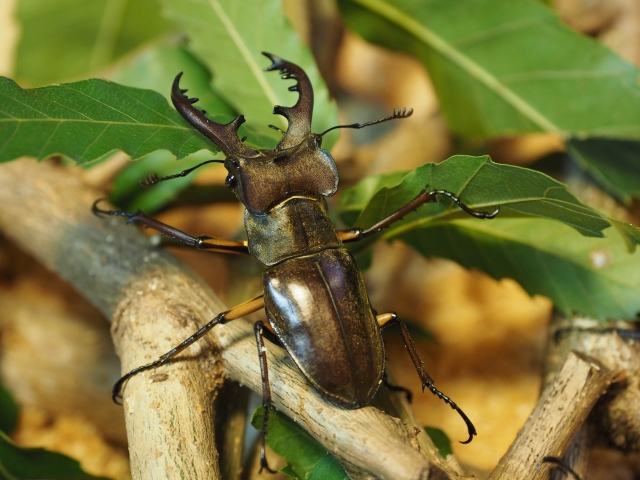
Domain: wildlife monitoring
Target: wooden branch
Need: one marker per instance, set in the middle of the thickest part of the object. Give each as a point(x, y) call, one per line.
point(614, 420)
point(154, 303)
point(561, 410)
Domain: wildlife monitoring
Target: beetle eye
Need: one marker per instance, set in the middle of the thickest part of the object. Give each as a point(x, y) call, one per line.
point(314, 141)
point(230, 181)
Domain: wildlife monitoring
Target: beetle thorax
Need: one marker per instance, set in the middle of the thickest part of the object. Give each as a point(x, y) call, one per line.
point(264, 181)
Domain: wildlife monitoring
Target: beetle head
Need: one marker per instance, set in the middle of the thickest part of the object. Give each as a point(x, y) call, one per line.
point(261, 179)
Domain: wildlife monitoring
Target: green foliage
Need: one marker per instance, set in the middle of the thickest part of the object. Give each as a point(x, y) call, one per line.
point(64, 40)
point(481, 184)
point(328, 468)
point(440, 440)
point(229, 36)
point(36, 464)
point(86, 120)
point(508, 67)
point(156, 67)
point(594, 276)
point(18, 463)
point(500, 67)
point(487, 87)
point(614, 163)
point(8, 411)
point(128, 194)
point(354, 200)
point(306, 458)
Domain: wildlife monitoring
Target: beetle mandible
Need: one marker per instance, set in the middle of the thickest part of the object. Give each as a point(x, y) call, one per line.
point(310, 279)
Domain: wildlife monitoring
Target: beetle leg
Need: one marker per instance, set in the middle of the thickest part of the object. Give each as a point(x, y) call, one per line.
point(387, 319)
point(266, 395)
point(561, 465)
point(397, 388)
point(425, 196)
point(232, 314)
point(202, 242)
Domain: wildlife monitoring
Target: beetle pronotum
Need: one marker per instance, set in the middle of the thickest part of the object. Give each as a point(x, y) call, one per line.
point(310, 279)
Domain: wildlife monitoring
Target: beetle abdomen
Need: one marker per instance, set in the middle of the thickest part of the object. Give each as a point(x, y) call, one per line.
point(319, 308)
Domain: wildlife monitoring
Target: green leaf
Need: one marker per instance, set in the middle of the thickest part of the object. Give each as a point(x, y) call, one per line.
point(8, 411)
point(595, 277)
point(481, 184)
point(354, 200)
point(36, 464)
point(288, 471)
point(87, 119)
point(328, 468)
point(300, 449)
point(630, 233)
point(615, 164)
point(155, 69)
point(440, 440)
point(62, 40)
point(229, 36)
point(504, 67)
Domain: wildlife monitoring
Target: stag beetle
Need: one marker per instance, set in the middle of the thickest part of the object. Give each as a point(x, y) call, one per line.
point(310, 280)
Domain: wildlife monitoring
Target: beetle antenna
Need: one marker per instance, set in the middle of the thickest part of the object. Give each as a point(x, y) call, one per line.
point(278, 129)
point(404, 113)
point(152, 178)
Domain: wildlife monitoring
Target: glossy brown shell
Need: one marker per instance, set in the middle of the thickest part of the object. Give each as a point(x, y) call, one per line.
point(264, 182)
point(319, 308)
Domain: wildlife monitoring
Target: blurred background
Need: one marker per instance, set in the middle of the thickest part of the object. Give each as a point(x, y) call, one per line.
point(483, 340)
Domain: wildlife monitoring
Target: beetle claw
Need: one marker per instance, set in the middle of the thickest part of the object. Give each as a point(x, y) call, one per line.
point(98, 212)
point(474, 213)
point(264, 465)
